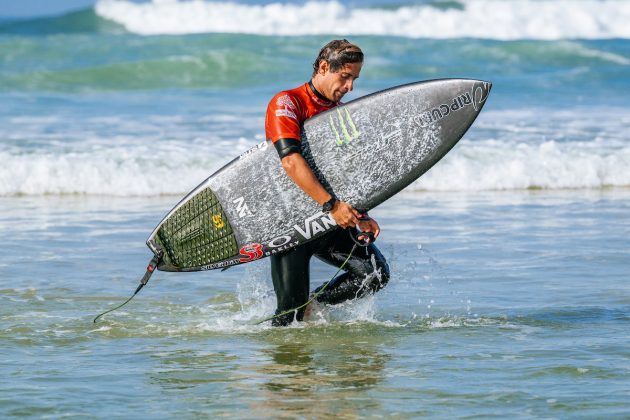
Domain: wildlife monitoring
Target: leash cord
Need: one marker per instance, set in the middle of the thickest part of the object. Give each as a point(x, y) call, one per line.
point(145, 279)
point(315, 295)
point(156, 259)
point(112, 310)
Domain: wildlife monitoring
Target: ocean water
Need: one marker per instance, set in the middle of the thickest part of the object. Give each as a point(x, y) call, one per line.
point(510, 287)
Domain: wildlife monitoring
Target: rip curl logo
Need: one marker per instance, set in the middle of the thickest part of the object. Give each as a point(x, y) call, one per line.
point(476, 97)
point(346, 125)
point(287, 107)
point(480, 92)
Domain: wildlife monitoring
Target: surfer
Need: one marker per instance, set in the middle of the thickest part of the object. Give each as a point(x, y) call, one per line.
point(336, 68)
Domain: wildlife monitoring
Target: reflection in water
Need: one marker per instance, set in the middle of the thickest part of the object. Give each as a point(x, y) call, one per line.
point(316, 372)
point(307, 372)
point(183, 369)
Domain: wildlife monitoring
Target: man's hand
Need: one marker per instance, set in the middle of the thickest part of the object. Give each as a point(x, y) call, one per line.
point(369, 225)
point(345, 215)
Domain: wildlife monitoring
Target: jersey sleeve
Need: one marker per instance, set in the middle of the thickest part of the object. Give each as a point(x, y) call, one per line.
point(282, 120)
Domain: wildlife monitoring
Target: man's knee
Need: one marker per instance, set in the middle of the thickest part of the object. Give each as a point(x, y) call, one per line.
point(380, 271)
point(380, 275)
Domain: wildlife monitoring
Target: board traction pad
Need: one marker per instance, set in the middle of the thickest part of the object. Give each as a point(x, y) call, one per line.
point(199, 233)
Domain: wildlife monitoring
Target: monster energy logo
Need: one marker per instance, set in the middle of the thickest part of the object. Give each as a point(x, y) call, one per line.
point(346, 136)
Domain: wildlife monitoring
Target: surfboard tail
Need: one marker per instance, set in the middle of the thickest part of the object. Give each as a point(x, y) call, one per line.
point(197, 234)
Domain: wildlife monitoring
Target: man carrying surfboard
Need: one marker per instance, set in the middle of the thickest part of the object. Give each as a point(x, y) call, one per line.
point(336, 68)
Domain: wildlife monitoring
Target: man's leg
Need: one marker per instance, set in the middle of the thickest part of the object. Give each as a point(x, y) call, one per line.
point(290, 275)
point(366, 271)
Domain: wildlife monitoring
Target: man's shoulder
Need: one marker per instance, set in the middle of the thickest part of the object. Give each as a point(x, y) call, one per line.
point(288, 103)
point(285, 113)
point(290, 98)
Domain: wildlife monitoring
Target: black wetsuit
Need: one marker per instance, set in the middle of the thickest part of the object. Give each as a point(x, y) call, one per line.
point(366, 272)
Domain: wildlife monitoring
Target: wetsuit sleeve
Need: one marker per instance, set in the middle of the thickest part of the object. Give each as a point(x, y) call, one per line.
point(285, 147)
point(282, 124)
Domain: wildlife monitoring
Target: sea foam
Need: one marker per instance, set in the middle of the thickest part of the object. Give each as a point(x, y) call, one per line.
point(491, 19)
point(496, 165)
point(510, 149)
point(473, 165)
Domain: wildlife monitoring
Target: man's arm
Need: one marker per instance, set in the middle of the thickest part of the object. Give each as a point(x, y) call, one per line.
point(301, 173)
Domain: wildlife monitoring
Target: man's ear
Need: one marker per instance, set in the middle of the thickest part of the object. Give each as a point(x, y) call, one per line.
point(323, 67)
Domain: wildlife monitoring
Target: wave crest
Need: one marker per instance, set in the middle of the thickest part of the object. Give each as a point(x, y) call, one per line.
point(491, 19)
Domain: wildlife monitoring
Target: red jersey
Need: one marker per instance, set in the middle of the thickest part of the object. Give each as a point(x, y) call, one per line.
point(288, 109)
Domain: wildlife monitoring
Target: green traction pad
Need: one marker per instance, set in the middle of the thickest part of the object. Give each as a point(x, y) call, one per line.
point(197, 234)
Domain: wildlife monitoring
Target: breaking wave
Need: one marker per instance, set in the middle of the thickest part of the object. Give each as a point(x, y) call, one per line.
point(503, 151)
point(490, 19)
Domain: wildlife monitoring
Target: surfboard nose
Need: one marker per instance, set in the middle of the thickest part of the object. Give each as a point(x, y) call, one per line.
point(480, 91)
point(486, 83)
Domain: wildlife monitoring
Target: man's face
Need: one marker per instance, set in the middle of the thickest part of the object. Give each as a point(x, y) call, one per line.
point(335, 85)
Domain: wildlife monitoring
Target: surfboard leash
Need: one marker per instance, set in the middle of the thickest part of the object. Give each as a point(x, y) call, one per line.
point(368, 239)
point(357, 243)
point(294, 310)
point(143, 281)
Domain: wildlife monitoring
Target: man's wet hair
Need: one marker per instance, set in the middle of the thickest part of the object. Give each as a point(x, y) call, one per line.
point(338, 53)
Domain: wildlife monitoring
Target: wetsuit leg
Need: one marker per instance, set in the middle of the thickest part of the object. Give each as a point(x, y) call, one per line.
point(290, 275)
point(366, 271)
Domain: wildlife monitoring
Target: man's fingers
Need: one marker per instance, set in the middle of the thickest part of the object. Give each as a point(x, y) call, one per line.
point(345, 215)
point(348, 224)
